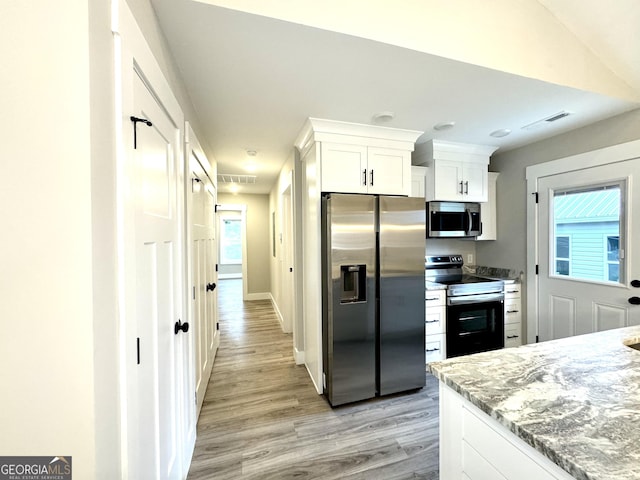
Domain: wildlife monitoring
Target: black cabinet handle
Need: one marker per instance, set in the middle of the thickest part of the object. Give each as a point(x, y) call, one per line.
point(634, 300)
point(181, 326)
point(635, 283)
point(211, 287)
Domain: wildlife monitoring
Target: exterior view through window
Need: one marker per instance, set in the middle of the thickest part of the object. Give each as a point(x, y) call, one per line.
point(587, 226)
point(231, 241)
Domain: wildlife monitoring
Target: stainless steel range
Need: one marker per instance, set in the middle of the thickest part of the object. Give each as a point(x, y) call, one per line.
point(475, 306)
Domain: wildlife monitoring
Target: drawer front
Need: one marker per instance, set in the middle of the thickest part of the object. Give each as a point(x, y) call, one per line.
point(512, 312)
point(434, 348)
point(434, 298)
point(511, 290)
point(512, 335)
point(435, 320)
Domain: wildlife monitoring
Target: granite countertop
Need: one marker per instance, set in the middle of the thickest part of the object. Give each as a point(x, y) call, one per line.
point(576, 400)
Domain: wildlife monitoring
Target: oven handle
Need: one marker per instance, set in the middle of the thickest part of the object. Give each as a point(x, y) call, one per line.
point(469, 299)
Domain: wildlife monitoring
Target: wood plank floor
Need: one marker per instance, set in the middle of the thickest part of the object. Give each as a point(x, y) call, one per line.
point(262, 418)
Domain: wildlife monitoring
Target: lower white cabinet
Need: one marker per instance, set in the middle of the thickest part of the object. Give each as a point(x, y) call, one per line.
point(512, 315)
point(435, 321)
point(474, 446)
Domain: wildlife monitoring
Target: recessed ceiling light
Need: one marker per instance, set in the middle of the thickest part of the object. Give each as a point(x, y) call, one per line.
point(503, 132)
point(383, 117)
point(444, 126)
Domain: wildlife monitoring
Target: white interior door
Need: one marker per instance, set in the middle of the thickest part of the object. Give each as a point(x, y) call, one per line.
point(286, 265)
point(587, 260)
point(204, 276)
point(155, 446)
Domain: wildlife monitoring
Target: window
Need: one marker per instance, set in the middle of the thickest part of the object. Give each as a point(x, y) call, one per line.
point(231, 241)
point(613, 259)
point(563, 255)
point(586, 234)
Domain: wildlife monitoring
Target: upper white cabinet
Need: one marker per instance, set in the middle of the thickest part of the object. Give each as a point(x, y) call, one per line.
point(418, 182)
point(357, 158)
point(360, 169)
point(457, 171)
point(488, 211)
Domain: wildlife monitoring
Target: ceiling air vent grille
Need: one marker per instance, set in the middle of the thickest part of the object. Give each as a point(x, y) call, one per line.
point(545, 121)
point(242, 179)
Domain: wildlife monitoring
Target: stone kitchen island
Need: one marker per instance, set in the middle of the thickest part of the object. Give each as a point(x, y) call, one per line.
point(561, 409)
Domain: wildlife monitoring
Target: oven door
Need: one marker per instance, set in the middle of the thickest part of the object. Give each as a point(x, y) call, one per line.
point(475, 323)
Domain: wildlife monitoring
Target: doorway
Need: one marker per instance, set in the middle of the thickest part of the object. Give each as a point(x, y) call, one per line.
point(232, 245)
point(582, 244)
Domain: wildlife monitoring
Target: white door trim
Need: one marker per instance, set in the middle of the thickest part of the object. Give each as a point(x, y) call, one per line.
point(603, 156)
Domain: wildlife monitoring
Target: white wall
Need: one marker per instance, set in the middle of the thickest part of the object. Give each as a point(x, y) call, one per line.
point(46, 286)
point(509, 250)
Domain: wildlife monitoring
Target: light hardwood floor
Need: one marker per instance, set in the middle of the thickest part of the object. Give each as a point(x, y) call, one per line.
point(262, 418)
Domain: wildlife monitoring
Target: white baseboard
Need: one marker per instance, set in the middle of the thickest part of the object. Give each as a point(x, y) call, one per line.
point(298, 356)
point(222, 276)
point(258, 296)
point(278, 313)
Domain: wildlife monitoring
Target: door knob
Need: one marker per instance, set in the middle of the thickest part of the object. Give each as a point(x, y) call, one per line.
point(181, 326)
point(211, 287)
point(634, 300)
point(635, 283)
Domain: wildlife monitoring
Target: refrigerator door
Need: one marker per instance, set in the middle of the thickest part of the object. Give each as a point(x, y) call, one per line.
point(349, 334)
point(401, 319)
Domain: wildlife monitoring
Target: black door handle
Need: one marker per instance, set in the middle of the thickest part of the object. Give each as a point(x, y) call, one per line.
point(181, 326)
point(635, 283)
point(634, 300)
point(211, 287)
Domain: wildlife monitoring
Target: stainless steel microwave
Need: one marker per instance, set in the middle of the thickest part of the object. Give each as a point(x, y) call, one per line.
point(453, 219)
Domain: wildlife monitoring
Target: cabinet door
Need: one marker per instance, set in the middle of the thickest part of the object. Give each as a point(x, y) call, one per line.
point(448, 180)
point(475, 177)
point(344, 168)
point(418, 182)
point(389, 171)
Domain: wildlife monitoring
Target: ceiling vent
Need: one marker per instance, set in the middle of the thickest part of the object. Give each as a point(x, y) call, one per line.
point(242, 179)
point(545, 121)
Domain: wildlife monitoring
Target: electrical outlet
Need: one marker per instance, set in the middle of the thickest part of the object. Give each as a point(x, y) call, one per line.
point(470, 259)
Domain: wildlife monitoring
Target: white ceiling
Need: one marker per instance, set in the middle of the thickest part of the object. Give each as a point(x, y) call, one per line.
point(254, 80)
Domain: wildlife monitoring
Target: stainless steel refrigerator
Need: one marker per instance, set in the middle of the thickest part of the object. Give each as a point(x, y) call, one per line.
point(373, 251)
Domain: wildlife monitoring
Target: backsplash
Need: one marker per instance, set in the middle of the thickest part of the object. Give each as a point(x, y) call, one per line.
point(493, 272)
point(450, 246)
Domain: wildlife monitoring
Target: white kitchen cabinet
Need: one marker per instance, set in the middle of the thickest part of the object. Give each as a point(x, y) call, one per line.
point(512, 315)
point(488, 211)
point(457, 171)
point(474, 446)
point(361, 169)
point(344, 168)
point(357, 158)
point(458, 181)
point(389, 171)
point(435, 325)
point(418, 182)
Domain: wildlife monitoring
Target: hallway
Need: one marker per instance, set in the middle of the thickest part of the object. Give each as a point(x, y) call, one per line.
point(262, 418)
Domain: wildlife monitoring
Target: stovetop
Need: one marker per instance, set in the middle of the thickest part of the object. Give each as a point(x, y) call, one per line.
point(447, 270)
